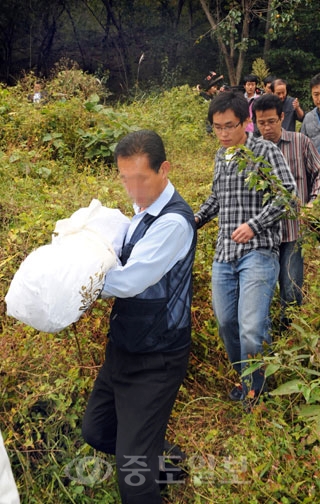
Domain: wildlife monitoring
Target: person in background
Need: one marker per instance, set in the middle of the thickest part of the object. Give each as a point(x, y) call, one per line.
point(150, 323)
point(267, 81)
point(311, 122)
point(250, 83)
point(246, 264)
point(210, 86)
point(39, 95)
point(291, 106)
point(208, 90)
point(304, 162)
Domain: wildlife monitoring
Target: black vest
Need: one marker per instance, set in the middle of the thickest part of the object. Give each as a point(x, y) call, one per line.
point(158, 319)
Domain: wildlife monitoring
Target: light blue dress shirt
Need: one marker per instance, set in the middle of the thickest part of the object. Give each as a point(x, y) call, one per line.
point(166, 242)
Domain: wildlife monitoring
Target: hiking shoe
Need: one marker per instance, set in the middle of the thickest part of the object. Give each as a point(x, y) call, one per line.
point(236, 394)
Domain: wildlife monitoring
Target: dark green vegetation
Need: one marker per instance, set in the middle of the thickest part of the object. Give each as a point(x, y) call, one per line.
point(160, 43)
point(55, 159)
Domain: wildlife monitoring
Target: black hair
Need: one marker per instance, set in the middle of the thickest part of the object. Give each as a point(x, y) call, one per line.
point(229, 100)
point(267, 102)
point(269, 79)
point(250, 78)
point(142, 142)
point(315, 81)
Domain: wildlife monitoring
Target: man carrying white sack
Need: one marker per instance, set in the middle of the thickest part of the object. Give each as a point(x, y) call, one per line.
point(150, 324)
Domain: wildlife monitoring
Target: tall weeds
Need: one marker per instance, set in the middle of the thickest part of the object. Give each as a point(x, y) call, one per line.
point(47, 171)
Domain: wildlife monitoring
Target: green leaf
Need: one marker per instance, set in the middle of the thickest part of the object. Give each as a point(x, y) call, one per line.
point(271, 369)
point(252, 368)
point(47, 137)
point(291, 387)
point(14, 157)
point(310, 411)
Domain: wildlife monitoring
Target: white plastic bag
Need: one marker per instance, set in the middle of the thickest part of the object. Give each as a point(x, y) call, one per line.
point(8, 488)
point(56, 283)
point(109, 223)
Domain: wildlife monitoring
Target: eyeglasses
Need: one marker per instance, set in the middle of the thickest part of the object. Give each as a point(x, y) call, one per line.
point(228, 127)
point(268, 122)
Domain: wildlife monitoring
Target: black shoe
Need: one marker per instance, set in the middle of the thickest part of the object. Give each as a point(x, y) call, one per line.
point(174, 451)
point(171, 472)
point(236, 394)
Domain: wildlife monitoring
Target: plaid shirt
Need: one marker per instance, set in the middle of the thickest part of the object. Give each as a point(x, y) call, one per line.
point(304, 162)
point(235, 203)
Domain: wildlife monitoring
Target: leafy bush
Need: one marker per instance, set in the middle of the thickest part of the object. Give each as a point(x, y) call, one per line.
point(68, 80)
point(101, 139)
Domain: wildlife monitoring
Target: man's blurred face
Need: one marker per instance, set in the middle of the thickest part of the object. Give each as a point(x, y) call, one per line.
point(315, 93)
point(141, 182)
point(281, 91)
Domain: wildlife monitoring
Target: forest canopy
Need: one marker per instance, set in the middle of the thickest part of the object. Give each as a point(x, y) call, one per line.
point(160, 42)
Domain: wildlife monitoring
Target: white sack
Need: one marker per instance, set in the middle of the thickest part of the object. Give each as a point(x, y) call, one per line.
point(109, 223)
point(56, 283)
point(8, 488)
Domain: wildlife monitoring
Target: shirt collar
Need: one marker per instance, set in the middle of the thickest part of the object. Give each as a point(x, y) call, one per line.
point(156, 207)
point(285, 136)
point(221, 154)
point(253, 97)
point(250, 140)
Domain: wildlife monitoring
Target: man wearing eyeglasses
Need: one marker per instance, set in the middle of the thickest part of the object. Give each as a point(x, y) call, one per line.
point(246, 266)
point(304, 162)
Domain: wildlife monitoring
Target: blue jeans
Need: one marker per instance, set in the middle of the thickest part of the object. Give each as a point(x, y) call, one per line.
point(242, 292)
point(290, 277)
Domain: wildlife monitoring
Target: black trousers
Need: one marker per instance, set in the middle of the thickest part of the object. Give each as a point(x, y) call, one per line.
point(127, 415)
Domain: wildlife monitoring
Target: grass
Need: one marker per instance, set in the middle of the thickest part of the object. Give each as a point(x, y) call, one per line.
point(270, 456)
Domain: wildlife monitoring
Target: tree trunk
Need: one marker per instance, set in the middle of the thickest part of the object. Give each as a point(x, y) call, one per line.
point(246, 7)
point(267, 42)
point(228, 58)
